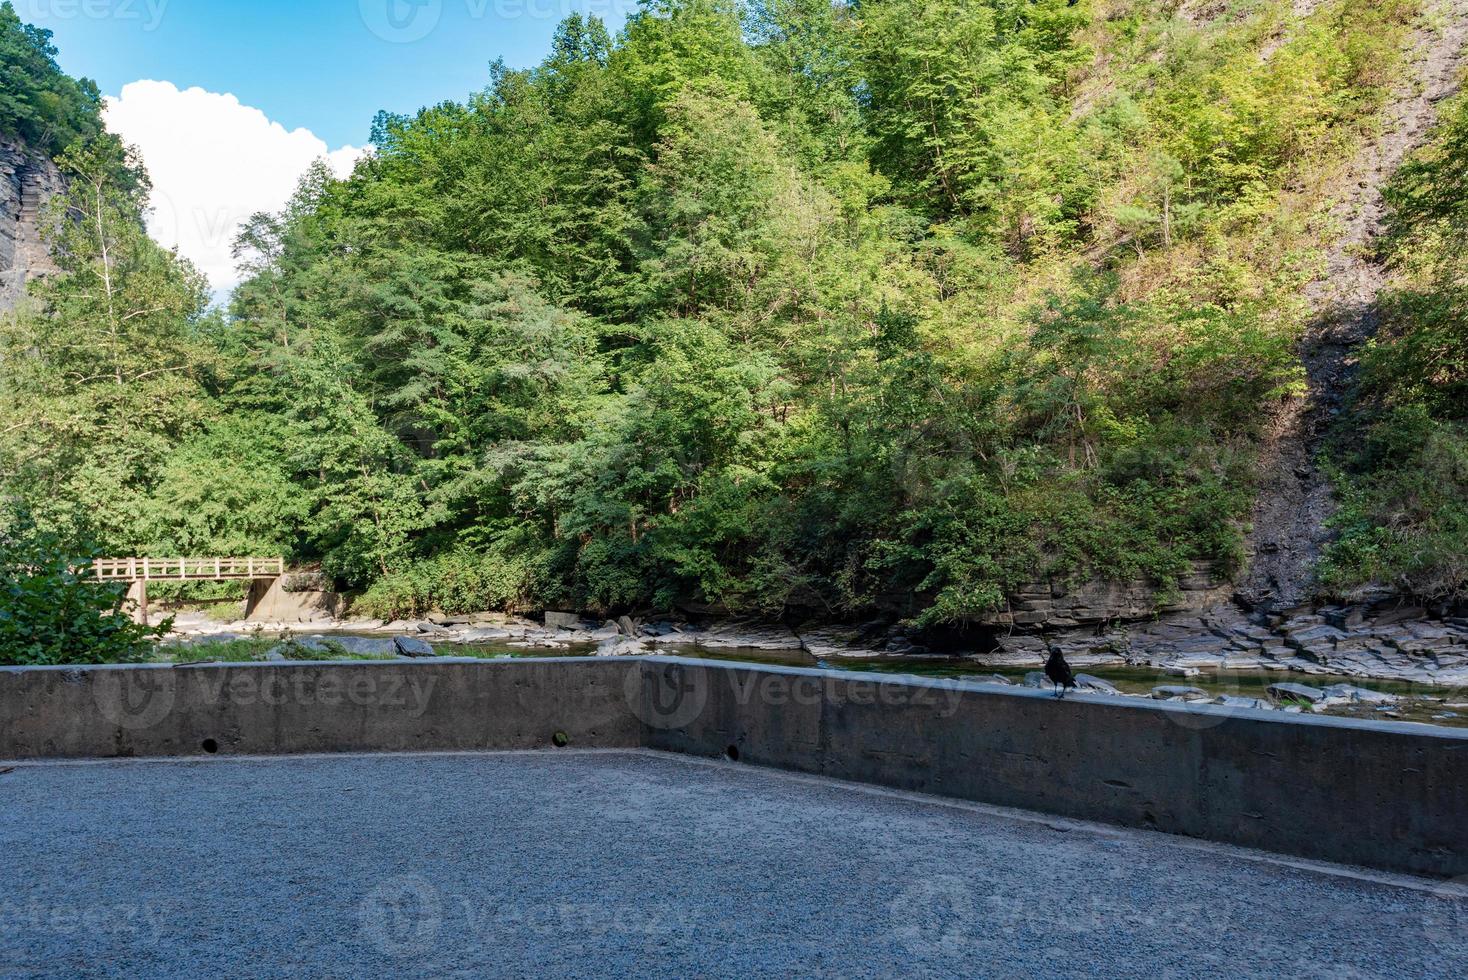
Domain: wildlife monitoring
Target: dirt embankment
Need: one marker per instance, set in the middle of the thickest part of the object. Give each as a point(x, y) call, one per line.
point(1295, 499)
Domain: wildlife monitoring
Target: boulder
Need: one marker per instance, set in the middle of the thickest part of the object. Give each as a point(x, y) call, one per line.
point(1286, 691)
point(627, 626)
point(411, 646)
point(359, 645)
point(1167, 691)
point(621, 647)
point(484, 634)
point(1088, 683)
point(433, 629)
point(562, 621)
point(1360, 695)
point(1232, 701)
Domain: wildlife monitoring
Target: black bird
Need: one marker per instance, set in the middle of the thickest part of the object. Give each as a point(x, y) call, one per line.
point(1059, 673)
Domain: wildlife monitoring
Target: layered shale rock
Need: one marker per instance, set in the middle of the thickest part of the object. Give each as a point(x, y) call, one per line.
point(27, 182)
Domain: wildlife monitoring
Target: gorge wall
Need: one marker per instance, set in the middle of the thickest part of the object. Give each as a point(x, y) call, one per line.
point(27, 181)
point(1289, 530)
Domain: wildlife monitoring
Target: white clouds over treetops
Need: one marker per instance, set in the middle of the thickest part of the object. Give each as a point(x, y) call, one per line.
point(214, 162)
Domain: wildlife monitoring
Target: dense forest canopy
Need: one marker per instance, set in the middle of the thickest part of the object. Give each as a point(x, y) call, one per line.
point(785, 303)
point(40, 103)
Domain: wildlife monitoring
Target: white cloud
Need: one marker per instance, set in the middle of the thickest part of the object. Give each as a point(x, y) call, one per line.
point(214, 162)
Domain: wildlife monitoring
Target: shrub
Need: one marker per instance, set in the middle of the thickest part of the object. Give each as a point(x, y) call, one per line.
point(462, 581)
point(53, 612)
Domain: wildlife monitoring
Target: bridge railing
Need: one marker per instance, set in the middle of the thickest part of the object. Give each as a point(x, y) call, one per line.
point(186, 569)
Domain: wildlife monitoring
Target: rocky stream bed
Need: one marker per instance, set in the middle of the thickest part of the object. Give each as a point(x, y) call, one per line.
point(1384, 665)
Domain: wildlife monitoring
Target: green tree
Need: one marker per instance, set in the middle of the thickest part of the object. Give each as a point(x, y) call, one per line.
point(39, 102)
point(52, 611)
point(111, 367)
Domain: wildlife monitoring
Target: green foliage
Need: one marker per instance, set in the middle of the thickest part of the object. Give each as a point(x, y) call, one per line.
point(40, 103)
point(1404, 446)
point(52, 611)
point(891, 306)
point(110, 368)
point(460, 581)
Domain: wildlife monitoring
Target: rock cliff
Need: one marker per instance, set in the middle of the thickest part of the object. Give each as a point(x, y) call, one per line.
point(27, 181)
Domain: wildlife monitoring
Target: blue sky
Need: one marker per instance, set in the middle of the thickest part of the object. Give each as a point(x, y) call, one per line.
point(229, 102)
point(327, 65)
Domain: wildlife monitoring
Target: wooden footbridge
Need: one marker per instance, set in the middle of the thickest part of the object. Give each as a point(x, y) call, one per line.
point(138, 572)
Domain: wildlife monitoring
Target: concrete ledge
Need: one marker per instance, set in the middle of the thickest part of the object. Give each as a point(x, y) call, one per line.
point(1390, 796)
point(357, 706)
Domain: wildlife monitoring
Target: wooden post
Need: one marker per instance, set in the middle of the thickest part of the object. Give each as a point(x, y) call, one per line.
point(143, 601)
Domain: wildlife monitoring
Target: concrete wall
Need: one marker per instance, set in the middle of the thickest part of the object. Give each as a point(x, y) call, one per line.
point(272, 601)
point(337, 707)
point(1390, 796)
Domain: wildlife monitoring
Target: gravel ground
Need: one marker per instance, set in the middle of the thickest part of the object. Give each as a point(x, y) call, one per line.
point(634, 864)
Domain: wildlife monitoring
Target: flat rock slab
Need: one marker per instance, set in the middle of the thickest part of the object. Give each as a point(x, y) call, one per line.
point(410, 646)
point(633, 864)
